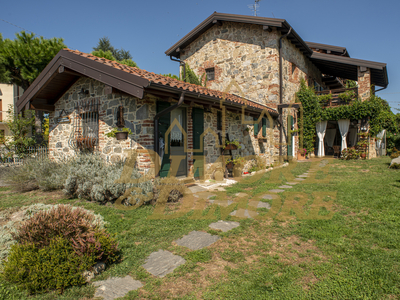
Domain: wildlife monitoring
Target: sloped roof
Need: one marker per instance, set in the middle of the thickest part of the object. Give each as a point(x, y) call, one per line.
point(281, 24)
point(68, 65)
point(334, 50)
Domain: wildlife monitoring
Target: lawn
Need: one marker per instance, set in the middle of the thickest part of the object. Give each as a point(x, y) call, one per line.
point(334, 235)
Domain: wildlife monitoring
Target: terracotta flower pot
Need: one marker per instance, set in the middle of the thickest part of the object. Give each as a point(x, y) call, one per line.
point(301, 156)
point(229, 165)
point(363, 155)
point(122, 135)
point(230, 147)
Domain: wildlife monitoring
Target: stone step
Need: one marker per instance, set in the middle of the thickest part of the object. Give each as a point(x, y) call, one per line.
point(115, 287)
point(196, 240)
point(162, 262)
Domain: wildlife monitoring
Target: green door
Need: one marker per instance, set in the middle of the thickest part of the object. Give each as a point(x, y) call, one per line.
point(198, 129)
point(290, 139)
point(163, 125)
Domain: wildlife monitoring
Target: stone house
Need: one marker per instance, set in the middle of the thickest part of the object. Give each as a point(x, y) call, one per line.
point(9, 94)
point(254, 66)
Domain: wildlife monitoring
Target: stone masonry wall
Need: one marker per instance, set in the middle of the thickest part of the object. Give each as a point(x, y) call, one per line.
point(248, 56)
point(138, 115)
point(364, 83)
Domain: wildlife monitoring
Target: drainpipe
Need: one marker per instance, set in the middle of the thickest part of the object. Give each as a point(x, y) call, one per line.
point(156, 118)
point(182, 63)
point(281, 93)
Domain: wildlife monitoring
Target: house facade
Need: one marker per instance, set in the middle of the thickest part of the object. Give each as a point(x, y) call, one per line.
point(9, 95)
point(254, 67)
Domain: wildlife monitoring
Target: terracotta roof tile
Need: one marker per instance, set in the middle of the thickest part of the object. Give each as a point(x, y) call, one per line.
point(167, 81)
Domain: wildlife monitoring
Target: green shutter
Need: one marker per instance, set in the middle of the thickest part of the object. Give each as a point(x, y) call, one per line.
point(264, 127)
point(198, 129)
point(163, 124)
point(289, 127)
point(219, 120)
point(255, 127)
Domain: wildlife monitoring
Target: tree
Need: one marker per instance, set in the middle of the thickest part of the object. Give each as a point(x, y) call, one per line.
point(105, 45)
point(20, 126)
point(191, 77)
point(108, 55)
point(25, 57)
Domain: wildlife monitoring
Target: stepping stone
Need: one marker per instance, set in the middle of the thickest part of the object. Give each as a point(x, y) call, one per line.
point(196, 240)
point(244, 213)
point(260, 204)
point(302, 176)
point(270, 197)
point(205, 195)
point(196, 189)
point(241, 195)
point(291, 183)
point(224, 226)
point(162, 262)
point(221, 202)
point(115, 287)
point(301, 179)
point(285, 187)
point(276, 191)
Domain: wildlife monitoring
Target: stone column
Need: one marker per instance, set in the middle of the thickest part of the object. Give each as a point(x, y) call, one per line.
point(364, 82)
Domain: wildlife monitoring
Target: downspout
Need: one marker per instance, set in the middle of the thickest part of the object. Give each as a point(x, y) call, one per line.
point(281, 93)
point(156, 118)
point(182, 63)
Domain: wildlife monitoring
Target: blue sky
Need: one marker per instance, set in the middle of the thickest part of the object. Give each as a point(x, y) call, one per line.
point(368, 29)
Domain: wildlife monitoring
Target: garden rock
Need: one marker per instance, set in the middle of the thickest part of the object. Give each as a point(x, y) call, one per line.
point(174, 196)
point(224, 226)
point(196, 240)
point(395, 161)
point(99, 267)
point(162, 262)
point(116, 287)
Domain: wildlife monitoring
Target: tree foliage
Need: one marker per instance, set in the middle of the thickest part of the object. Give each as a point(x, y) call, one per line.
point(108, 55)
point(191, 77)
point(20, 127)
point(119, 54)
point(25, 57)
point(375, 108)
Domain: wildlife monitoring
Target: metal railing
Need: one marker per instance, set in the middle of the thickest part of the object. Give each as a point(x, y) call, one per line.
point(337, 98)
point(7, 158)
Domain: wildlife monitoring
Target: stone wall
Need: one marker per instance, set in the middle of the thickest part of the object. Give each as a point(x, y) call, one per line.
point(249, 56)
point(364, 83)
point(138, 115)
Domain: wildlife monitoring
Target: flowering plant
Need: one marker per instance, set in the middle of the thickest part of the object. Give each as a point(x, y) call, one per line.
point(303, 151)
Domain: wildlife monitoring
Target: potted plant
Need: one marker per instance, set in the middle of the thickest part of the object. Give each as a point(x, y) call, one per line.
point(238, 166)
point(301, 154)
point(120, 134)
point(233, 145)
point(85, 142)
point(229, 163)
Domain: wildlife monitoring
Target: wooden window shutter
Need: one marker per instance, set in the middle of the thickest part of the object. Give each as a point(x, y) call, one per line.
point(219, 120)
point(264, 127)
point(255, 127)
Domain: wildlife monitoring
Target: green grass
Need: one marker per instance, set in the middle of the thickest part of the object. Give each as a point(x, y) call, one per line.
point(353, 255)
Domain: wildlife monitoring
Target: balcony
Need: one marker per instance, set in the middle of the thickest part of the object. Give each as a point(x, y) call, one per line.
point(338, 97)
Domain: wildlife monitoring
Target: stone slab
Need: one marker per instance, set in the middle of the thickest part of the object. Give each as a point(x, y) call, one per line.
point(394, 161)
point(300, 179)
point(285, 187)
point(244, 213)
point(276, 191)
point(221, 202)
point(292, 183)
point(116, 287)
point(260, 204)
point(196, 189)
point(302, 176)
point(196, 240)
point(162, 262)
point(269, 197)
point(241, 195)
point(205, 195)
point(224, 226)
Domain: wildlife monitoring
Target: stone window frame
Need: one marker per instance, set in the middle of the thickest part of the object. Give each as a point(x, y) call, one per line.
point(210, 73)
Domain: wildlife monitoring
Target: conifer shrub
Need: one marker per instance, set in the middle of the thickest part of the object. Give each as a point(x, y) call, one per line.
point(75, 225)
point(42, 269)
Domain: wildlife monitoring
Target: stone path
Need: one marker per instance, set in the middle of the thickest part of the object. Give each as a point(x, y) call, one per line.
point(221, 202)
point(162, 262)
point(260, 204)
point(300, 179)
point(276, 191)
point(302, 175)
point(285, 186)
point(224, 226)
point(291, 183)
point(196, 240)
point(116, 287)
point(270, 197)
point(244, 213)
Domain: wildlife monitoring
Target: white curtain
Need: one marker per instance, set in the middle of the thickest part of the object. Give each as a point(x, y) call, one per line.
point(321, 128)
point(352, 137)
point(344, 129)
point(330, 137)
point(379, 138)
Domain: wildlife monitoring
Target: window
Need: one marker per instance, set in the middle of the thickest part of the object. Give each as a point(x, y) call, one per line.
point(210, 73)
point(255, 127)
point(264, 127)
point(219, 120)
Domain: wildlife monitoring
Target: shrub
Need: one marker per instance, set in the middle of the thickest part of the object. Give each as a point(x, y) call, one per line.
point(168, 189)
point(75, 225)
point(394, 153)
point(394, 166)
point(350, 153)
point(42, 269)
